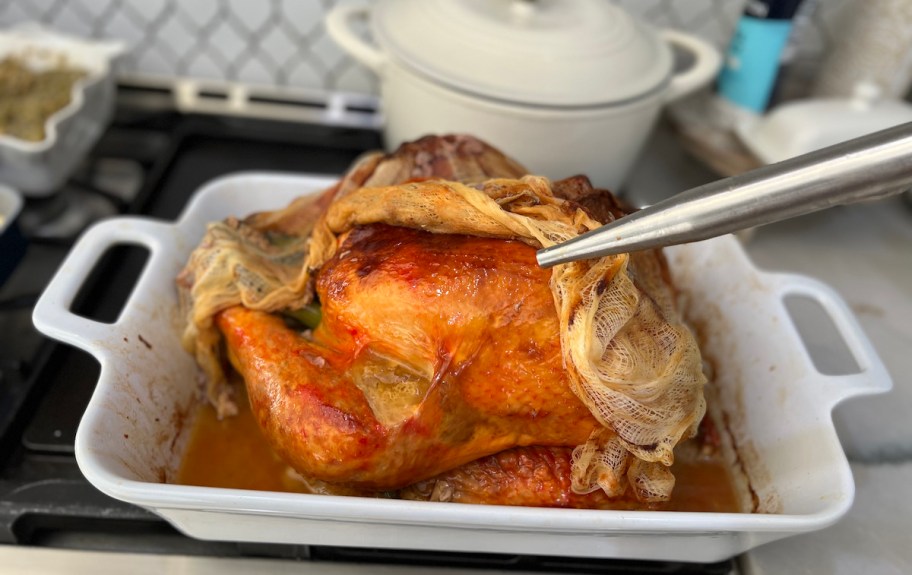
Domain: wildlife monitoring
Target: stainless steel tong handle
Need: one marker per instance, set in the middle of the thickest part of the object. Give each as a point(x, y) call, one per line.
point(873, 166)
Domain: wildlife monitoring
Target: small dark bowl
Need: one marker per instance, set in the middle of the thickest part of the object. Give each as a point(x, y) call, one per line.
point(12, 242)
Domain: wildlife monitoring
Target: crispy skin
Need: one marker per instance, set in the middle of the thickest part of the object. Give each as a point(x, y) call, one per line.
point(541, 477)
point(527, 476)
point(472, 320)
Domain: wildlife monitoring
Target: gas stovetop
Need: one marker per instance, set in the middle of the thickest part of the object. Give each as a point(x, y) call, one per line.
point(151, 163)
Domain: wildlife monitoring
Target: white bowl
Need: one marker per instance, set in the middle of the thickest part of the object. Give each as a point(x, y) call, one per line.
point(39, 168)
point(803, 126)
point(778, 405)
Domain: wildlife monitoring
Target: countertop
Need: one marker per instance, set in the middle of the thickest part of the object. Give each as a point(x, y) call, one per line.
point(865, 253)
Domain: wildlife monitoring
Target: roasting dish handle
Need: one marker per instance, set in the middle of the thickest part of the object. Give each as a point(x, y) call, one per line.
point(871, 376)
point(53, 316)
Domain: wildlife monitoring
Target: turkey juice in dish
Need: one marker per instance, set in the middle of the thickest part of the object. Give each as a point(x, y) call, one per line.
point(395, 337)
point(231, 452)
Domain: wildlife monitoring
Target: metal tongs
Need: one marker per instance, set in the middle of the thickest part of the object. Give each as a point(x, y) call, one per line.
point(870, 167)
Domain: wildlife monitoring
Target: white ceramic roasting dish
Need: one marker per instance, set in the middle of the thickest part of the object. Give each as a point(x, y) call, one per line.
point(777, 404)
point(37, 169)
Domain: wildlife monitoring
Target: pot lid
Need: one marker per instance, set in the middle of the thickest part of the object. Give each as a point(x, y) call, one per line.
point(541, 52)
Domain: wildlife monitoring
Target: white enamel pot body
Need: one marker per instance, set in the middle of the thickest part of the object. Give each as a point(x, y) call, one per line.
point(557, 133)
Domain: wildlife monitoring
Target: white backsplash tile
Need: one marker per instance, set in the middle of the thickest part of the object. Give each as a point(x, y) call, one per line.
point(124, 26)
point(74, 18)
point(278, 42)
point(306, 17)
point(304, 74)
point(252, 14)
point(231, 40)
point(177, 36)
point(256, 70)
point(199, 12)
point(284, 43)
point(150, 10)
point(202, 65)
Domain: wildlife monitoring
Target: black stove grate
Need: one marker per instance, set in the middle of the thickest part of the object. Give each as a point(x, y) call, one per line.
point(45, 386)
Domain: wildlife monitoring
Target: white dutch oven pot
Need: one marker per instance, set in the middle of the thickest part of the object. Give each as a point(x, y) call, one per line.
point(564, 86)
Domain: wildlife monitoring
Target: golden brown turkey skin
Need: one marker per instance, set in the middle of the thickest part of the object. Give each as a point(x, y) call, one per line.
point(537, 476)
point(468, 323)
point(527, 476)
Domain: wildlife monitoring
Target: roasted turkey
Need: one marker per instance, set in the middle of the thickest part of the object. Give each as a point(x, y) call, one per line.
point(441, 342)
point(434, 350)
